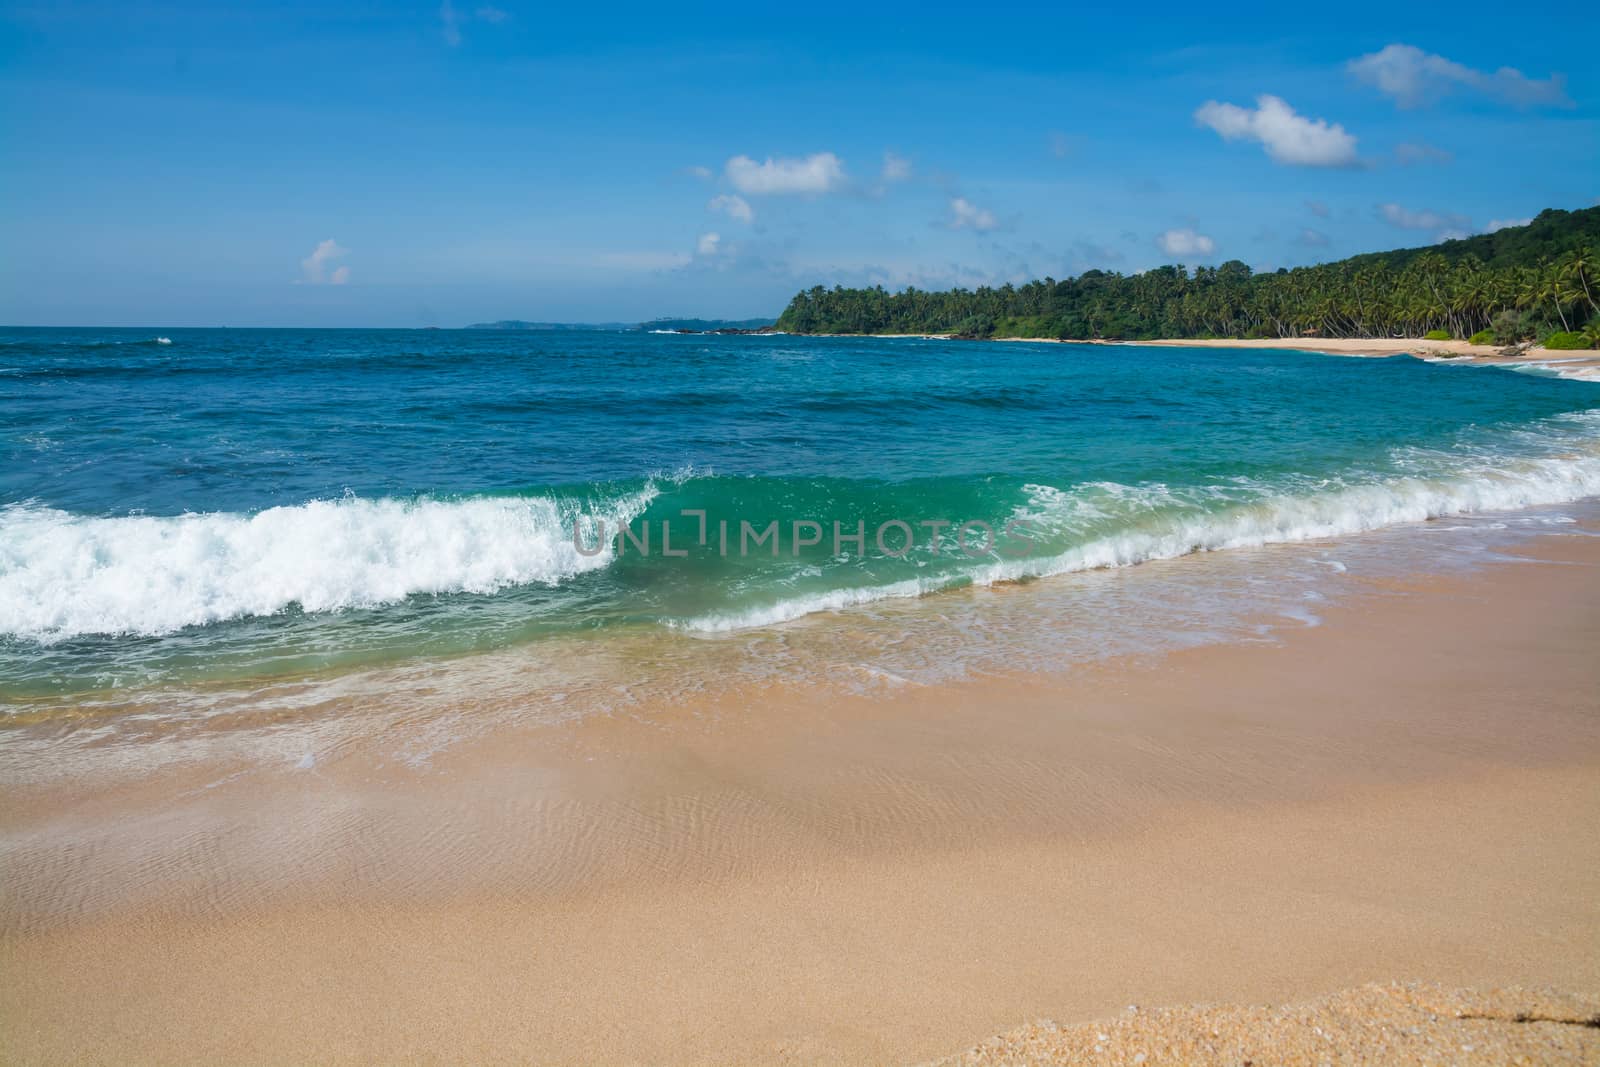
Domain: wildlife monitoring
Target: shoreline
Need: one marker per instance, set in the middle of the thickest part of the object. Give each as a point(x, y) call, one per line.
point(1343, 346)
point(1419, 347)
point(1579, 363)
point(794, 869)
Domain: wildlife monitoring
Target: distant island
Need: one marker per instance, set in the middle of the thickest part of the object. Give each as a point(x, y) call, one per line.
point(1539, 282)
point(657, 325)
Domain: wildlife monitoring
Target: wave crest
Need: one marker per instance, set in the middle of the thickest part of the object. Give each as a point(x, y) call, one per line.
point(65, 575)
point(1105, 524)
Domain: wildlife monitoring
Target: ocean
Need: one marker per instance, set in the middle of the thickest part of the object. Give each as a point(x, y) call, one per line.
point(195, 513)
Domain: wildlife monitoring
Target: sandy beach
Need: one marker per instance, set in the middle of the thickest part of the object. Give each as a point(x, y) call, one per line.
point(1578, 363)
point(1336, 346)
point(514, 547)
point(765, 877)
point(1573, 362)
point(1377, 1024)
point(1352, 346)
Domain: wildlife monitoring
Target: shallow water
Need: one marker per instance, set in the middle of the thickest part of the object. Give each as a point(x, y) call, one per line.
point(260, 510)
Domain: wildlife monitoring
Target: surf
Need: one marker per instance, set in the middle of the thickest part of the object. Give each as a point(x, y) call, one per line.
point(65, 575)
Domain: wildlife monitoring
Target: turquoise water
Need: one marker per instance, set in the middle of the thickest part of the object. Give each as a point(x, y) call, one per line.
point(185, 504)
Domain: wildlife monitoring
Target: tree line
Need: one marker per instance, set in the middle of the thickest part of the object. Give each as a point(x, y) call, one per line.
point(1539, 281)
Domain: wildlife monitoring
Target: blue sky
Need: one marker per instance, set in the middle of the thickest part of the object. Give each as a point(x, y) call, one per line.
point(435, 164)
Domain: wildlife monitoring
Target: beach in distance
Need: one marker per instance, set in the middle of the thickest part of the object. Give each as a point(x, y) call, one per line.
point(852, 536)
point(1576, 363)
point(410, 696)
point(1581, 363)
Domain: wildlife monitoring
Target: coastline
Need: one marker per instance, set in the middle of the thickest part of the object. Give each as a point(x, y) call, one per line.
point(771, 878)
point(1344, 346)
point(1579, 363)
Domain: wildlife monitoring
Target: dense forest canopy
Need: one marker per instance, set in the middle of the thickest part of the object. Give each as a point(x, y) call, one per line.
point(1522, 282)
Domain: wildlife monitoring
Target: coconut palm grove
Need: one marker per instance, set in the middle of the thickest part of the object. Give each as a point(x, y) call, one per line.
point(1535, 282)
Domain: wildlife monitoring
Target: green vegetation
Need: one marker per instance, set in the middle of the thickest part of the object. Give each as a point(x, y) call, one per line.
point(1565, 340)
point(1520, 282)
point(1437, 335)
point(1482, 337)
point(1511, 326)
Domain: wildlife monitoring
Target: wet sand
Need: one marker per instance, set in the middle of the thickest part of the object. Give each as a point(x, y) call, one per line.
point(1406, 792)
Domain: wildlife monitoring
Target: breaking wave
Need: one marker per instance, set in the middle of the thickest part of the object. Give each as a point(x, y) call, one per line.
point(65, 575)
point(1104, 525)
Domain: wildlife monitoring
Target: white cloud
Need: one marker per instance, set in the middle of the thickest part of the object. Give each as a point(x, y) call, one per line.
point(1413, 78)
point(1500, 224)
point(451, 20)
point(895, 168)
point(708, 244)
point(314, 268)
point(704, 173)
point(1419, 152)
point(1312, 238)
point(1185, 242)
point(817, 173)
point(1317, 208)
point(1287, 137)
point(1060, 145)
point(965, 215)
point(737, 207)
point(1439, 221)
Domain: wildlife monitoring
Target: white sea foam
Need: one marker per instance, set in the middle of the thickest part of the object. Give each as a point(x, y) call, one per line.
point(795, 607)
point(1582, 370)
point(65, 575)
point(1160, 523)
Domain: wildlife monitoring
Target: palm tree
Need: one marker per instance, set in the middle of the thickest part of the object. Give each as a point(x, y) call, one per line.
point(1577, 267)
point(1551, 289)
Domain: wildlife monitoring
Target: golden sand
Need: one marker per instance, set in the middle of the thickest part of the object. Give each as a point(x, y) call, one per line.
point(1377, 1025)
point(1363, 346)
point(1347, 346)
point(1583, 363)
point(1406, 793)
